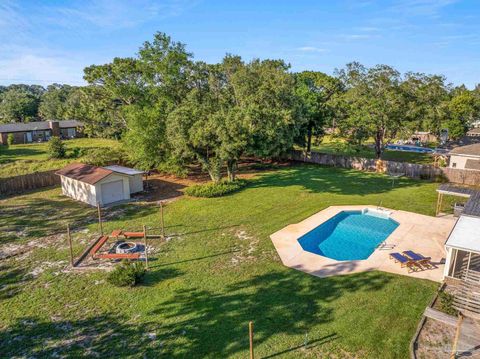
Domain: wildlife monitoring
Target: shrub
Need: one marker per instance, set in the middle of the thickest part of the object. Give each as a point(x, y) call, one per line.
point(76, 151)
point(446, 303)
point(127, 274)
point(56, 148)
point(215, 189)
point(10, 139)
point(103, 156)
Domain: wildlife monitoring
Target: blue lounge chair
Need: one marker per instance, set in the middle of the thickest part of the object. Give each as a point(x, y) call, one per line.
point(405, 261)
point(418, 258)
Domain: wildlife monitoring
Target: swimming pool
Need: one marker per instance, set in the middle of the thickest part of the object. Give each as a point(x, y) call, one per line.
point(349, 235)
point(408, 148)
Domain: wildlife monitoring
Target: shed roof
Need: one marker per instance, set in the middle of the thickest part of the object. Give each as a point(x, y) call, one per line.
point(124, 170)
point(470, 150)
point(465, 234)
point(84, 173)
point(37, 125)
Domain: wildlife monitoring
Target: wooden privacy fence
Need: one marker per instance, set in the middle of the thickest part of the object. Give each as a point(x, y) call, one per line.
point(411, 170)
point(19, 184)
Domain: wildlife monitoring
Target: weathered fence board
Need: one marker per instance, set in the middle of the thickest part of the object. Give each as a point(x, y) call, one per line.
point(411, 170)
point(20, 184)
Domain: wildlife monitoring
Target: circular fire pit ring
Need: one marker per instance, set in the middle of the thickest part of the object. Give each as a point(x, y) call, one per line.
point(126, 247)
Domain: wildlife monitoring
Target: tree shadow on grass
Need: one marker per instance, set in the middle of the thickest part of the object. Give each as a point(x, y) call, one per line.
point(280, 303)
point(37, 216)
point(101, 336)
point(320, 179)
point(11, 281)
point(194, 323)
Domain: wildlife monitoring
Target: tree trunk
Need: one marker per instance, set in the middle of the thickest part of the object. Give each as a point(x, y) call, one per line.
point(379, 142)
point(231, 167)
point(309, 136)
point(213, 167)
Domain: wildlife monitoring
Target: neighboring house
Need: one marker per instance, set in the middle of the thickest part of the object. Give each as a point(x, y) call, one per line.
point(466, 157)
point(102, 185)
point(474, 132)
point(40, 131)
point(423, 137)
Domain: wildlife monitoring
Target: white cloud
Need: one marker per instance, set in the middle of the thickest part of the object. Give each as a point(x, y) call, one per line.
point(112, 14)
point(353, 37)
point(421, 7)
point(311, 49)
point(26, 66)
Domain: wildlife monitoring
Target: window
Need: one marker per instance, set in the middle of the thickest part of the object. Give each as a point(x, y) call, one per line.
point(454, 164)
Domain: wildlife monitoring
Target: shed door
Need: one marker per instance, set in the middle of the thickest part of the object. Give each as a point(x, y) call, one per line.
point(112, 192)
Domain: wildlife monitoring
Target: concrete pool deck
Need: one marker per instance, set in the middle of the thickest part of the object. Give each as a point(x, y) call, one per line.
point(423, 234)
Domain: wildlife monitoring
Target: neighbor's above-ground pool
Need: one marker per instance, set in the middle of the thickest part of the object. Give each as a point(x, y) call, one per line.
point(349, 235)
point(408, 148)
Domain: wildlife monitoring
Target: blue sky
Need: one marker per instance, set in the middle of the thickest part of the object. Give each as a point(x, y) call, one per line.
point(52, 41)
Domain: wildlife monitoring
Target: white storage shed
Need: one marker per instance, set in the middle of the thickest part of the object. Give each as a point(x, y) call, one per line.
point(92, 185)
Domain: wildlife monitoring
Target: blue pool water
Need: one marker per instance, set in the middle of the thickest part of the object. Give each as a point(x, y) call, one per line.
point(408, 148)
point(349, 235)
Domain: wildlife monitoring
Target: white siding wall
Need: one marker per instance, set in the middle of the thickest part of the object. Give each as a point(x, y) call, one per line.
point(112, 178)
point(459, 160)
point(136, 183)
point(80, 191)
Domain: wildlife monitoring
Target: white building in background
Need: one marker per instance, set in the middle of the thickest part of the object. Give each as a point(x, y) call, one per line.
point(465, 157)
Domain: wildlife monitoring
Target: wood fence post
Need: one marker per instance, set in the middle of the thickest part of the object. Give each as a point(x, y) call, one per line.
point(100, 226)
point(162, 221)
point(250, 334)
point(453, 355)
point(145, 244)
point(69, 237)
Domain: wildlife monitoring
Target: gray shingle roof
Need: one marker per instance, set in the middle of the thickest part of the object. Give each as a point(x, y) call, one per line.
point(38, 125)
point(472, 207)
point(472, 164)
point(473, 150)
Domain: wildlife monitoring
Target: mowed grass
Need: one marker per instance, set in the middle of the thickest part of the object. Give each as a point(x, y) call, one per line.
point(33, 157)
point(340, 147)
point(217, 271)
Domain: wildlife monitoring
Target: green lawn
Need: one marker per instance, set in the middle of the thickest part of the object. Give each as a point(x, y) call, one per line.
point(338, 146)
point(217, 271)
point(33, 157)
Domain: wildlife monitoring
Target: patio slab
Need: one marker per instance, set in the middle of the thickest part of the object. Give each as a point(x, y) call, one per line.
point(417, 232)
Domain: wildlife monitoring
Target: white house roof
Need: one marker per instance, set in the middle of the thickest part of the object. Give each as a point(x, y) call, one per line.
point(465, 235)
point(124, 170)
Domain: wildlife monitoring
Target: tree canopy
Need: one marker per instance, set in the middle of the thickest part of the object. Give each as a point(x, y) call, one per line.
point(169, 109)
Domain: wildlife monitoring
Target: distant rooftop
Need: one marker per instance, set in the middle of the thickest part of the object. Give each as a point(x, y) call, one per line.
point(474, 132)
point(37, 125)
